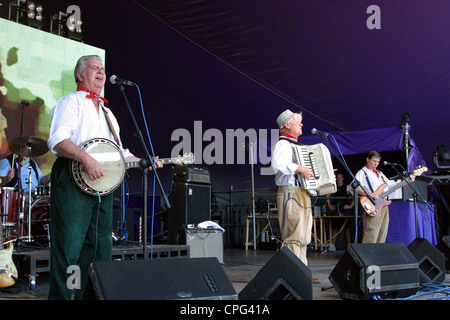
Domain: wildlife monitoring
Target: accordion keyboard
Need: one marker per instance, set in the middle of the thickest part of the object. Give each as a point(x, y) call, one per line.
point(317, 157)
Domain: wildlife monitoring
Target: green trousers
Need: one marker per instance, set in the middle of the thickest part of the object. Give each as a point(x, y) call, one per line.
point(80, 232)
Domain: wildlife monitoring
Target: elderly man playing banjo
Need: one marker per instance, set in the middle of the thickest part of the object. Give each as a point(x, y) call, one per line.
point(81, 205)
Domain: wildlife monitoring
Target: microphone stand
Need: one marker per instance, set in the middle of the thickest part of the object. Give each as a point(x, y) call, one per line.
point(144, 165)
point(357, 183)
point(20, 207)
point(405, 126)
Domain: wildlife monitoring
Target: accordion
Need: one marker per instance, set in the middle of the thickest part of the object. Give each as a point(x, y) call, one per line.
point(317, 158)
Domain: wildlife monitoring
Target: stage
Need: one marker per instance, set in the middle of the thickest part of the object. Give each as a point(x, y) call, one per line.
point(240, 266)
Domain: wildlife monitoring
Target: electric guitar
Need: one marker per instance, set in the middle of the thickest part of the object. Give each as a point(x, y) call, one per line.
point(8, 269)
point(108, 154)
point(372, 209)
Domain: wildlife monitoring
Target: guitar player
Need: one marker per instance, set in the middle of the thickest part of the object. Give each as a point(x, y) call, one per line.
point(374, 183)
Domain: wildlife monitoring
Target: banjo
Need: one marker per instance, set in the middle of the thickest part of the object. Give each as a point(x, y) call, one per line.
point(108, 154)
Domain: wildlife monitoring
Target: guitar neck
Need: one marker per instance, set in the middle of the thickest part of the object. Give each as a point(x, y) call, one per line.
point(394, 188)
point(401, 184)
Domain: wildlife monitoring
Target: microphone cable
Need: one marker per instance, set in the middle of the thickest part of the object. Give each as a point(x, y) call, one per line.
point(154, 177)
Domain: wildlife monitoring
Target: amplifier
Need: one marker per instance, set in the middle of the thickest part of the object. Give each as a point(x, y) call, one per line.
point(191, 204)
point(205, 243)
point(190, 174)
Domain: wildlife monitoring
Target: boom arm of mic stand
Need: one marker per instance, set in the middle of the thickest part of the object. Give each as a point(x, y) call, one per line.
point(347, 168)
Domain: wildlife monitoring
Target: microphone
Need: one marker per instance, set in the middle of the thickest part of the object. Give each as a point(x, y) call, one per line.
point(116, 80)
point(386, 163)
point(24, 103)
point(315, 131)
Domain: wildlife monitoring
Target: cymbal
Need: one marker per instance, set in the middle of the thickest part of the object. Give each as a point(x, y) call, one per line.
point(31, 146)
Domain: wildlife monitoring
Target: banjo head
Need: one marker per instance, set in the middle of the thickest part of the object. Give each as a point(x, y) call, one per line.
point(108, 154)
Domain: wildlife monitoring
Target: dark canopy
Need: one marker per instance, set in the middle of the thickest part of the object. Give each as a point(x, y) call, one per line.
point(238, 64)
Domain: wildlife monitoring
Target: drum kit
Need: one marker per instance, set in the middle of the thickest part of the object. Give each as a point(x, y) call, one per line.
point(25, 216)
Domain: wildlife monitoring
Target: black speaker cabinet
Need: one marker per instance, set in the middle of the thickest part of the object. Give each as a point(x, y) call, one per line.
point(444, 247)
point(431, 260)
point(284, 277)
point(422, 187)
point(191, 204)
point(159, 279)
point(365, 271)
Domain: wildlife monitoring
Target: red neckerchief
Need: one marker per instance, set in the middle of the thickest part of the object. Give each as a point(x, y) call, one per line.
point(378, 172)
point(287, 135)
point(92, 95)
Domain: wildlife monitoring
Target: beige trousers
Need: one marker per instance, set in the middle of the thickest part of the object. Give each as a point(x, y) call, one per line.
point(376, 228)
point(295, 218)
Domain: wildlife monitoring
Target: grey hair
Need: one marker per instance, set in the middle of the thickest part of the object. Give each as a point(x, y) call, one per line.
point(295, 115)
point(81, 64)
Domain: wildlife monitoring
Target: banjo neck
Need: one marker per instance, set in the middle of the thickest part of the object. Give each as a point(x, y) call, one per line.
point(110, 157)
point(186, 159)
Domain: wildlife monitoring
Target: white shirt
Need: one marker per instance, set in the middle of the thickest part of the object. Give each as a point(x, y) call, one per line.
point(75, 117)
point(375, 180)
point(282, 163)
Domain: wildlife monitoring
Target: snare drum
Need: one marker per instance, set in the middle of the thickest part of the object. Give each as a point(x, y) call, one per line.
point(10, 207)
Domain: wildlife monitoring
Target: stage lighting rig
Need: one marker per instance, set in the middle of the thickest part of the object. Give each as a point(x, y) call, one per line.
point(27, 12)
point(35, 15)
point(67, 25)
point(441, 157)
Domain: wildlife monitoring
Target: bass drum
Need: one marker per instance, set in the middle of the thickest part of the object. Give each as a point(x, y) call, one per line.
point(40, 221)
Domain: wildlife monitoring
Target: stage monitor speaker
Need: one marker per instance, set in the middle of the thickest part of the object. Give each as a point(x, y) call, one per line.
point(431, 260)
point(444, 247)
point(284, 277)
point(159, 279)
point(191, 204)
point(372, 270)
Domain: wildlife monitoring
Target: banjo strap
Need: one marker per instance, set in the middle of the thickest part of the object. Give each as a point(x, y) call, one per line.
point(111, 127)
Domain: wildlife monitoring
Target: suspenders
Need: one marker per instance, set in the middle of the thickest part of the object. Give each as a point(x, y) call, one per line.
point(294, 159)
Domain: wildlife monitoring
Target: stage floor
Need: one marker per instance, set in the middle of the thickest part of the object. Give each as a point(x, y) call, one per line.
point(240, 265)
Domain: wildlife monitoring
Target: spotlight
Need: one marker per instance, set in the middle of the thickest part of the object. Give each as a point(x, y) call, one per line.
point(27, 12)
point(35, 16)
point(442, 155)
point(66, 25)
point(74, 29)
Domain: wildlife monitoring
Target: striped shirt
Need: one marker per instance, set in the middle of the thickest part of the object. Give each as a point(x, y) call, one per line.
point(75, 117)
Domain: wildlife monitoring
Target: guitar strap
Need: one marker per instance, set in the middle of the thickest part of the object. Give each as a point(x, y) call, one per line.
point(382, 176)
point(368, 181)
point(111, 126)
